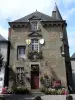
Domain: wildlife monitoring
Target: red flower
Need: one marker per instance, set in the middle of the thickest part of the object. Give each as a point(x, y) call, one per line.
point(4, 90)
point(65, 92)
point(56, 83)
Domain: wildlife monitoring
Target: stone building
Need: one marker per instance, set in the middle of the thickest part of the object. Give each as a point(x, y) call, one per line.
point(39, 47)
point(73, 69)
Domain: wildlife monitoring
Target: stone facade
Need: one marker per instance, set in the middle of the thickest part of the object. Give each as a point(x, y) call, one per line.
point(55, 51)
point(73, 69)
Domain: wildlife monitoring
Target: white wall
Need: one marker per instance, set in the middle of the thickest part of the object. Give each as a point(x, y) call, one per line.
point(2, 76)
point(3, 49)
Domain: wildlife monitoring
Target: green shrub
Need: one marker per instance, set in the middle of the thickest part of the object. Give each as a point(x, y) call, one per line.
point(43, 90)
point(42, 80)
point(51, 91)
point(21, 91)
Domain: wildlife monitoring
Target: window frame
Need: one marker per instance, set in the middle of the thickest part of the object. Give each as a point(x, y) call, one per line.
point(35, 45)
point(19, 71)
point(18, 47)
point(34, 25)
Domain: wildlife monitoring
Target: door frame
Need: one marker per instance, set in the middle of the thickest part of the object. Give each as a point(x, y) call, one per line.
point(36, 73)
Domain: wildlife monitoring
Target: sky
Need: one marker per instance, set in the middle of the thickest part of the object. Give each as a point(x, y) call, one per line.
point(11, 10)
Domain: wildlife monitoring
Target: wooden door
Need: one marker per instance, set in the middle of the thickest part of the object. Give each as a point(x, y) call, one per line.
point(34, 80)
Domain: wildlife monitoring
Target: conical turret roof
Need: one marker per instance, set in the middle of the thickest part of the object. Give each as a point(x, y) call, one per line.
point(57, 13)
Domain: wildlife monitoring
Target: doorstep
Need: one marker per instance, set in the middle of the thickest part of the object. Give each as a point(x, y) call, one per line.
point(36, 92)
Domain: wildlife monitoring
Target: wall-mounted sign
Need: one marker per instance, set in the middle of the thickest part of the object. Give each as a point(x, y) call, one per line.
point(28, 41)
point(41, 41)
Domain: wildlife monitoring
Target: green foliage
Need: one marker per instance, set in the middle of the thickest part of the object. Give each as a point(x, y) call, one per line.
point(42, 80)
point(45, 81)
point(43, 90)
point(1, 60)
point(51, 91)
point(21, 91)
point(38, 55)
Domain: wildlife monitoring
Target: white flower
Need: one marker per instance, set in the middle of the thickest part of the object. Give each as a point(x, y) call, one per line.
point(53, 89)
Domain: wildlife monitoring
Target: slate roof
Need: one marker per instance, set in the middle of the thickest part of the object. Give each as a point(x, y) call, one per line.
point(2, 38)
point(73, 56)
point(56, 10)
point(43, 17)
point(38, 15)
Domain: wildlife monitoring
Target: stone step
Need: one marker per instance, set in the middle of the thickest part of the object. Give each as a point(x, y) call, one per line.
point(29, 98)
point(35, 90)
point(37, 94)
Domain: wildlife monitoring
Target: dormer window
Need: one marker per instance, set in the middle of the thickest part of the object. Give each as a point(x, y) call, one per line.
point(34, 26)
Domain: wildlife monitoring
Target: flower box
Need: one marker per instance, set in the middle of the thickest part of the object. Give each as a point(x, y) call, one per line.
point(35, 55)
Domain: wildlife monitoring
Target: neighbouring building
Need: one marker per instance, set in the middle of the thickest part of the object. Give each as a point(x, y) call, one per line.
point(3, 51)
point(39, 47)
point(73, 69)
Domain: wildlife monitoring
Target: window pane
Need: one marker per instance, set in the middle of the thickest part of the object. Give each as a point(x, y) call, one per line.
point(34, 26)
point(32, 47)
point(35, 44)
point(22, 50)
point(19, 73)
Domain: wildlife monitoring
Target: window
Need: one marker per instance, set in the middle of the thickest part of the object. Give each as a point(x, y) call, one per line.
point(19, 73)
point(35, 44)
point(34, 26)
point(21, 52)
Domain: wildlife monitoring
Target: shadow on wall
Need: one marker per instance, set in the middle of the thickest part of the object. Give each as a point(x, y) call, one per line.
point(73, 74)
point(11, 78)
